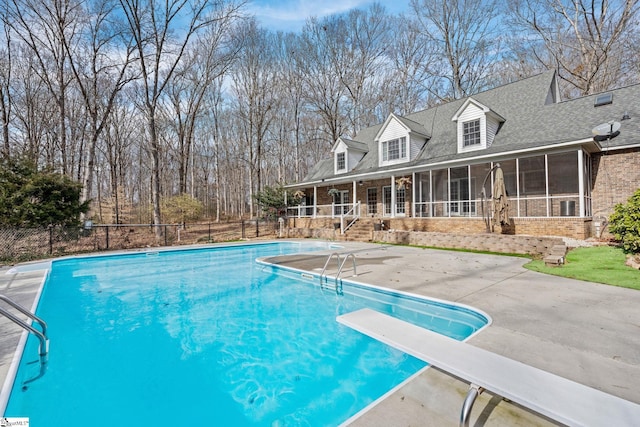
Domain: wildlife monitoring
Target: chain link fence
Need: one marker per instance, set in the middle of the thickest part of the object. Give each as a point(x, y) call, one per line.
point(25, 244)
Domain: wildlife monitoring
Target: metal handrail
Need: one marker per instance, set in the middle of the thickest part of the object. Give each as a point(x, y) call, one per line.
point(351, 212)
point(350, 254)
point(26, 312)
point(43, 347)
point(338, 282)
point(327, 263)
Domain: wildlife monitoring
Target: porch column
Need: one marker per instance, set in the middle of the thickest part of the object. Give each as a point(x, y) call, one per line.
point(449, 192)
point(581, 182)
point(315, 200)
point(413, 195)
point(393, 196)
point(355, 188)
point(546, 184)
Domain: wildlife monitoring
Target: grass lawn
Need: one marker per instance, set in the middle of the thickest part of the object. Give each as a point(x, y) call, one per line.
point(600, 264)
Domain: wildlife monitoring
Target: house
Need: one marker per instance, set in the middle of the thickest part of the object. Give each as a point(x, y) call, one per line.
point(566, 164)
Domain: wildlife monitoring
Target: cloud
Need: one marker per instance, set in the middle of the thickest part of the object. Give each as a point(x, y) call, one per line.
point(290, 15)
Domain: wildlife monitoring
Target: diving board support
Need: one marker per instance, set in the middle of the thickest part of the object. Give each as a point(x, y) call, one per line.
point(467, 405)
point(550, 395)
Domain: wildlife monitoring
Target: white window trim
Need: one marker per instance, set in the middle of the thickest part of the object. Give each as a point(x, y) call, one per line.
point(468, 124)
point(403, 147)
point(338, 168)
point(483, 134)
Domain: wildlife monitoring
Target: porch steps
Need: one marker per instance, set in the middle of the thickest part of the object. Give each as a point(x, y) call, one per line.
point(360, 231)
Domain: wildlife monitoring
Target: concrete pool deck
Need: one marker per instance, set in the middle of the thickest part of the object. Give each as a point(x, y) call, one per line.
point(586, 332)
point(582, 331)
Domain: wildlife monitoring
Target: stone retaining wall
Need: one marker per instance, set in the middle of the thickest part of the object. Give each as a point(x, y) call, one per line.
point(572, 227)
point(526, 245)
point(315, 233)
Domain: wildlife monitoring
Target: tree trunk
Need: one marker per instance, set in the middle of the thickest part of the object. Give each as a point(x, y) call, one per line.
point(155, 174)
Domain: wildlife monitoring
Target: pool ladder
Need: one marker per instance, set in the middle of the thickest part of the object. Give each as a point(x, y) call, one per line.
point(338, 281)
point(43, 348)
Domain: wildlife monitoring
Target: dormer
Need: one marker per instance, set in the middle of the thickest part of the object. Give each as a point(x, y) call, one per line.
point(347, 154)
point(477, 126)
point(399, 140)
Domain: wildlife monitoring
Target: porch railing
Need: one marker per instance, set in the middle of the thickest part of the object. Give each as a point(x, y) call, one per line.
point(334, 210)
point(519, 207)
point(353, 212)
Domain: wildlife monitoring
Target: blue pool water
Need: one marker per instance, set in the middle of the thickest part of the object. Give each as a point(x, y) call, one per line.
point(209, 337)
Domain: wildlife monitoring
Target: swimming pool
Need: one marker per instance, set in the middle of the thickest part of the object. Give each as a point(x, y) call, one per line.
point(210, 337)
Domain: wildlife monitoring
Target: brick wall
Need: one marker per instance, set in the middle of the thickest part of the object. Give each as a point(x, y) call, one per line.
point(616, 175)
point(576, 228)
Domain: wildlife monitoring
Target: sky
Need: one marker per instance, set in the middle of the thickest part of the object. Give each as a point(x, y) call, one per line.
point(290, 15)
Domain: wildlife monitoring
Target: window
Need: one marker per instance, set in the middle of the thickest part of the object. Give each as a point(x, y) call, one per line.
point(400, 199)
point(340, 161)
point(341, 202)
point(471, 133)
point(394, 150)
point(372, 201)
point(386, 200)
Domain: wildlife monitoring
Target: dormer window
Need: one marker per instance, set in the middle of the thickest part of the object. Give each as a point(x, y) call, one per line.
point(396, 149)
point(399, 140)
point(347, 154)
point(340, 161)
point(471, 133)
point(476, 126)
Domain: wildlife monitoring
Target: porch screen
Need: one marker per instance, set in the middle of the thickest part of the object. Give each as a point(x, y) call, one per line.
point(459, 191)
point(440, 192)
point(563, 174)
point(532, 176)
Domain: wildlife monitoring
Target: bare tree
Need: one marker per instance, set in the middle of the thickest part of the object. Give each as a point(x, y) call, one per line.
point(208, 60)
point(5, 88)
point(100, 63)
point(291, 84)
point(407, 77)
point(46, 28)
point(324, 90)
point(33, 108)
point(253, 78)
point(356, 45)
point(583, 40)
point(163, 31)
point(462, 33)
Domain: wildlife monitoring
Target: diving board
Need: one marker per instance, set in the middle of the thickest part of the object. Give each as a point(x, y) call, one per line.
point(548, 394)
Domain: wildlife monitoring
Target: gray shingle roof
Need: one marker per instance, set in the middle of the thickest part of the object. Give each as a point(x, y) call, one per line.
point(531, 122)
point(414, 126)
point(360, 146)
